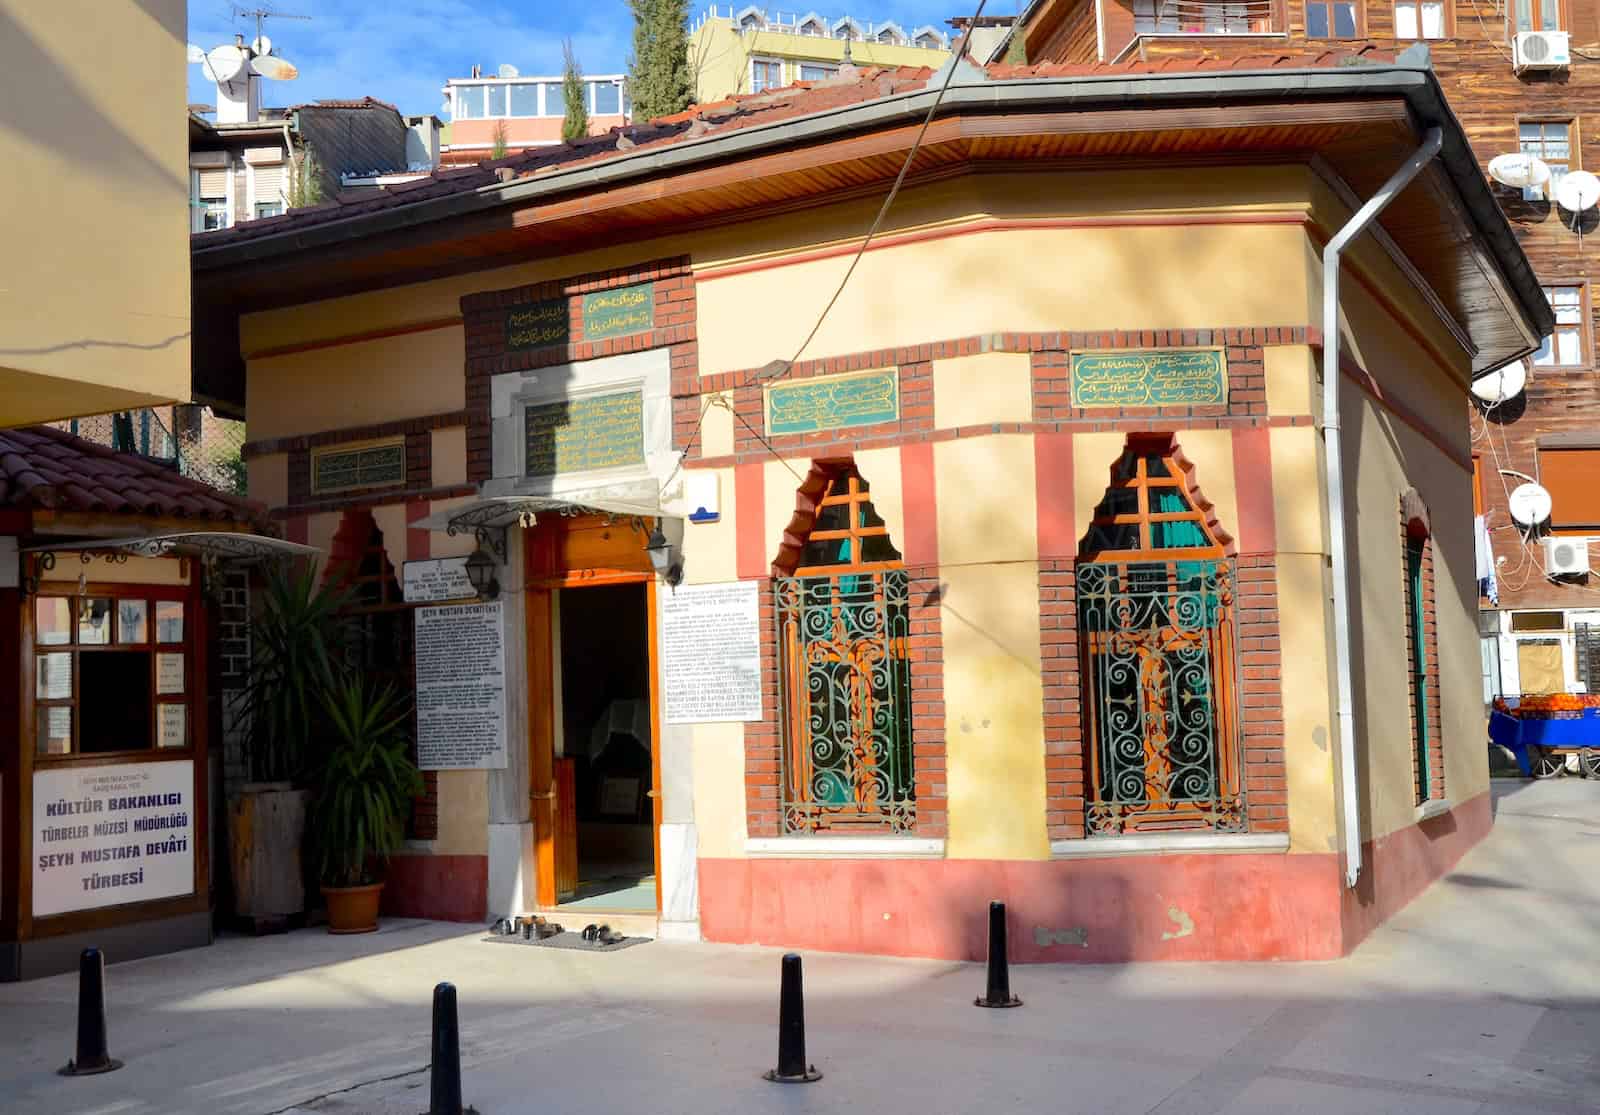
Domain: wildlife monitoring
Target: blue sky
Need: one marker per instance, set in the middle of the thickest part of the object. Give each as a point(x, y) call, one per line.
point(402, 51)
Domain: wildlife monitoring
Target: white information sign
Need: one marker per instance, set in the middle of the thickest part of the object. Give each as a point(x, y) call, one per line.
point(107, 836)
point(169, 673)
point(437, 579)
point(461, 687)
point(712, 639)
point(172, 723)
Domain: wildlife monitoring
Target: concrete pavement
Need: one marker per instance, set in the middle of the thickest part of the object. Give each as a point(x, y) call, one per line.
point(1482, 996)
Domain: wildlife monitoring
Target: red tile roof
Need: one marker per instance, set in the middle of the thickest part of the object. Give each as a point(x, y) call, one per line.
point(748, 110)
point(52, 470)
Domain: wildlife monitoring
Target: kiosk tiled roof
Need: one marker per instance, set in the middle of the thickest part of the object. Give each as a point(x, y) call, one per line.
point(51, 470)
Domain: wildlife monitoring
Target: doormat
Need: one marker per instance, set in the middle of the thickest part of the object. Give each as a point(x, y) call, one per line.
point(569, 940)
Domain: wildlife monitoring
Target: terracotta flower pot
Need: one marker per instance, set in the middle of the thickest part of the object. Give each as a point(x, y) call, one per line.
point(353, 909)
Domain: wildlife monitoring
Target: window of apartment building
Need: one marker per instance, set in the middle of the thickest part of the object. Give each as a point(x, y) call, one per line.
point(843, 636)
point(1155, 591)
point(1571, 474)
point(495, 99)
point(765, 74)
point(816, 71)
point(467, 102)
point(555, 99)
point(1332, 19)
point(1419, 19)
point(1551, 141)
point(208, 201)
point(524, 99)
point(1537, 15)
point(112, 671)
point(607, 98)
point(268, 209)
point(1168, 17)
point(1568, 346)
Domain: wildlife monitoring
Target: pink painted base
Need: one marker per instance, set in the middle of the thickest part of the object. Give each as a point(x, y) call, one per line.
point(1165, 907)
point(444, 888)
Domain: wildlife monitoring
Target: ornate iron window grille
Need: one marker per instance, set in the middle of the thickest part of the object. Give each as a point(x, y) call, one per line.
point(1158, 649)
point(846, 696)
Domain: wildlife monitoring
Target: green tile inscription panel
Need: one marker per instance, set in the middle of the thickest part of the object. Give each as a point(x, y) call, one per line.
point(371, 466)
point(833, 402)
point(537, 325)
point(588, 432)
point(1154, 377)
point(619, 312)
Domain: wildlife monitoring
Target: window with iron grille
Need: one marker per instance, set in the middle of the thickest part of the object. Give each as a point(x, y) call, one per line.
point(846, 676)
point(1155, 596)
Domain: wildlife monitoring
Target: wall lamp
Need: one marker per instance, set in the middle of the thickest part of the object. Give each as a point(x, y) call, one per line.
point(667, 564)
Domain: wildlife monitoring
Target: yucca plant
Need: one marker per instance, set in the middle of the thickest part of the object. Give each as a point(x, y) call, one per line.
point(364, 781)
point(294, 640)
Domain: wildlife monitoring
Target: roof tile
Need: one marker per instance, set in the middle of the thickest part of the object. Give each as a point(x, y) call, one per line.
point(50, 469)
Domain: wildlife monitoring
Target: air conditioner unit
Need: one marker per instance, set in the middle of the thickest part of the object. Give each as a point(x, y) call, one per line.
point(1540, 50)
point(1566, 556)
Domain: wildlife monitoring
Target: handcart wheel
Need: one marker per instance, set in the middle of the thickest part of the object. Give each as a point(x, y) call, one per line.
point(1547, 764)
point(1589, 762)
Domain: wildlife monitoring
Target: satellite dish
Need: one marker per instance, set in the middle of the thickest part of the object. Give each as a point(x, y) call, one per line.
point(227, 62)
point(261, 45)
point(1530, 504)
point(271, 66)
point(195, 54)
point(1519, 170)
point(1578, 191)
point(1505, 382)
point(508, 70)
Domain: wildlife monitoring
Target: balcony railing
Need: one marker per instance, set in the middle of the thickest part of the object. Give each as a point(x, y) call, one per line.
point(815, 26)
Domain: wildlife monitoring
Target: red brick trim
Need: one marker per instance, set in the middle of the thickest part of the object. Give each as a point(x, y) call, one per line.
point(1054, 495)
point(1252, 481)
point(1414, 525)
point(486, 356)
point(420, 425)
point(372, 497)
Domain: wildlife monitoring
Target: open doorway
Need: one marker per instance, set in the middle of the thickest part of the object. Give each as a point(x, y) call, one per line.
point(604, 733)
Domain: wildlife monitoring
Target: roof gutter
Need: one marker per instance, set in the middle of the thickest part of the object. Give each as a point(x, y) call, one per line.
point(1416, 83)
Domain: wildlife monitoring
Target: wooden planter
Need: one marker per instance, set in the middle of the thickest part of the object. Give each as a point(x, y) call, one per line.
point(353, 909)
point(265, 825)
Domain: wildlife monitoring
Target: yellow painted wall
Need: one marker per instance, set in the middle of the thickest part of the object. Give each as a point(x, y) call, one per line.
point(781, 480)
point(987, 509)
point(357, 384)
point(716, 428)
point(1291, 378)
point(993, 700)
point(710, 550)
point(721, 54)
point(135, 571)
point(719, 801)
point(94, 273)
point(909, 293)
point(986, 387)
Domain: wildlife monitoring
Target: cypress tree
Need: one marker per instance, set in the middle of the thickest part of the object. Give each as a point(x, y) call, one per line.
point(576, 123)
point(659, 82)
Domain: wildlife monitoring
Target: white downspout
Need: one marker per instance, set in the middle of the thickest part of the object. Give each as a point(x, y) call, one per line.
point(1350, 801)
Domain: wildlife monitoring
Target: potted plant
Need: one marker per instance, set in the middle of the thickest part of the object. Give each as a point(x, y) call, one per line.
point(364, 786)
point(294, 636)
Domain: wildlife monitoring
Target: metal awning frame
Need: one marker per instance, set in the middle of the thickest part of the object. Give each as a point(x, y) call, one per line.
point(211, 547)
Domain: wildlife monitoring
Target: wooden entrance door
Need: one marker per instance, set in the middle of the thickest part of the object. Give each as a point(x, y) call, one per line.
point(564, 553)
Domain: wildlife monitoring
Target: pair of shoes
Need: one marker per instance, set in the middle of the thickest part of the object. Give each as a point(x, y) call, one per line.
point(606, 936)
point(591, 932)
point(546, 930)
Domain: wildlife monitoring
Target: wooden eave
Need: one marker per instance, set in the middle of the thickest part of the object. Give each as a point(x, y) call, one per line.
point(1360, 139)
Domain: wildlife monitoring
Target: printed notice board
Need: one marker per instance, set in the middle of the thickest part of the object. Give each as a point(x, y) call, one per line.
point(107, 836)
point(461, 687)
point(711, 638)
point(434, 579)
point(620, 312)
point(585, 433)
point(538, 325)
point(1156, 377)
point(833, 402)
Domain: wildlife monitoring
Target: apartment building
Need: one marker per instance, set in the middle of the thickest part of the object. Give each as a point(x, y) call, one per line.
point(751, 49)
point(518, 113)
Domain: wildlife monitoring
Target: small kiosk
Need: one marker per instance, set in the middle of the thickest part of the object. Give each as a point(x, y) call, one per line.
point(105, 563)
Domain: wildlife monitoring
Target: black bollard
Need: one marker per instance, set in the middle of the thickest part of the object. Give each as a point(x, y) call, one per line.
point(792, 1065)
point(91, 1056)
point(999, 991)
point(445, 1095)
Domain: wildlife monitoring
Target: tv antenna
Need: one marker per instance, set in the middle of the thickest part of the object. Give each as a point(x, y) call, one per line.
point(260, 13)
